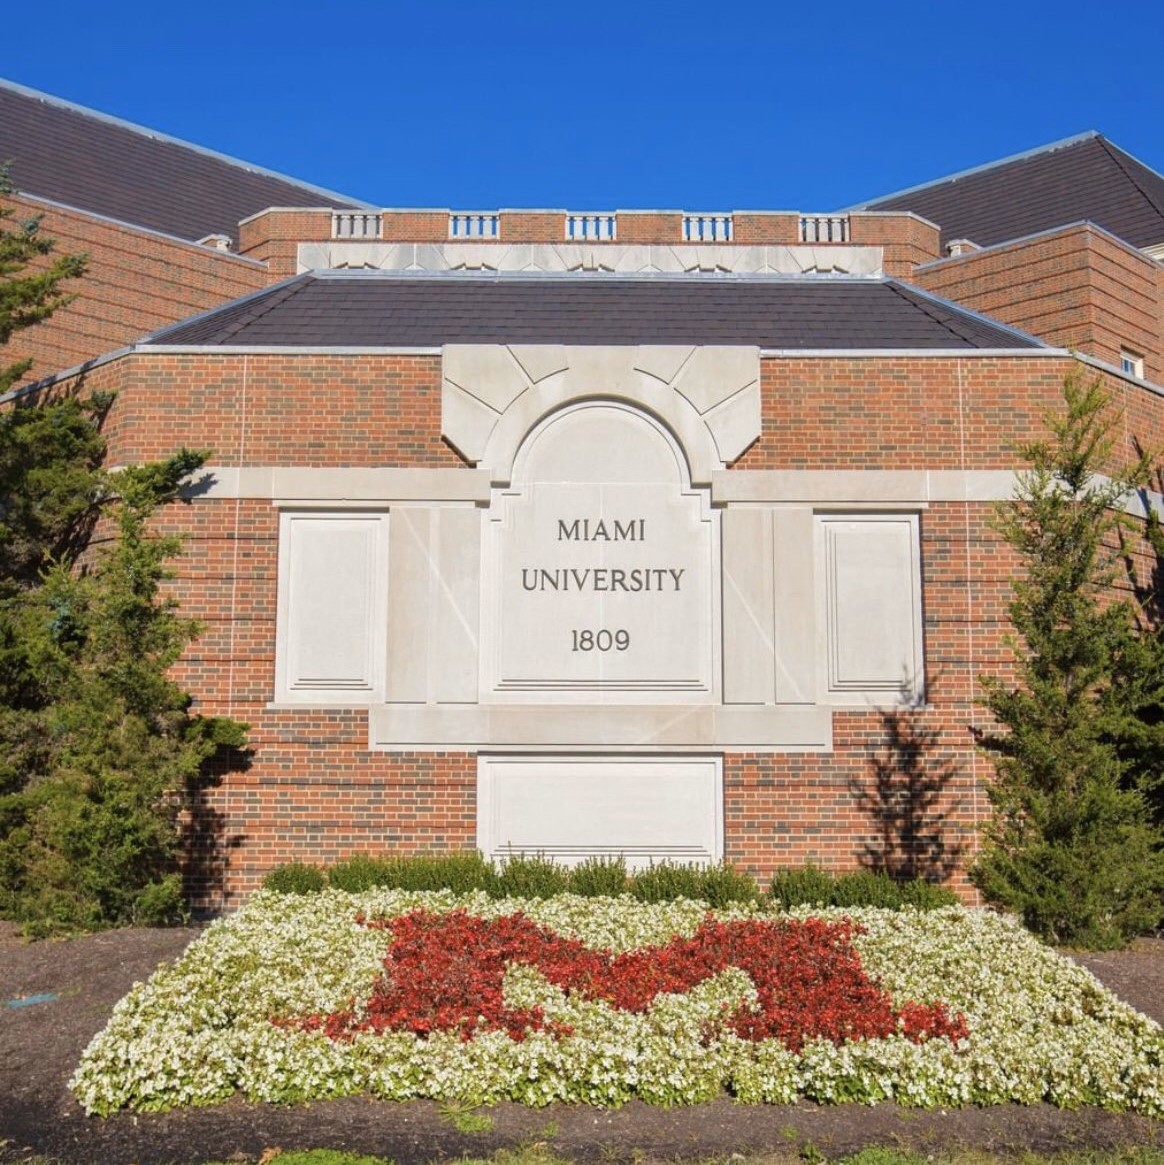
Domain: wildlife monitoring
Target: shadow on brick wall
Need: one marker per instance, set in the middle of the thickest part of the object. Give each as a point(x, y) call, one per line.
point(206, 845)
point(907, 798)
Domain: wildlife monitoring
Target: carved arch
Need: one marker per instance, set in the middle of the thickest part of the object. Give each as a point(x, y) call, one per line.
point(493, 395)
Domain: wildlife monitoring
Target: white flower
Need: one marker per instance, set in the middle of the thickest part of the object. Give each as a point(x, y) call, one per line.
point(1041, 1028)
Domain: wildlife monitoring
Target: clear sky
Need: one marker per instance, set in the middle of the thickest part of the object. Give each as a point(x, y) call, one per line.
point(602, 105)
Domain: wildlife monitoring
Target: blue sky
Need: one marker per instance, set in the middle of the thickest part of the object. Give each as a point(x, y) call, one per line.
point(602, 105)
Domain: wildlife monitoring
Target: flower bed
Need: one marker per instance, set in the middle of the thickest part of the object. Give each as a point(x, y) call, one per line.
point(446, 973)
point(472, 1000)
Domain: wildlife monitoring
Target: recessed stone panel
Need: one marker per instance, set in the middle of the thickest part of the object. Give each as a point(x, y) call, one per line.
point(648, 809)
point(331, 608)
point(871, 605)
point(601, 564)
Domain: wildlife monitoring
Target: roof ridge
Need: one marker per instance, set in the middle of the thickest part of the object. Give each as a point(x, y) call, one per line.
point(160, 136)
point(921, 299)
point(264, 304)
point(1021, 156)
point(1114, 153)
point(925, 309)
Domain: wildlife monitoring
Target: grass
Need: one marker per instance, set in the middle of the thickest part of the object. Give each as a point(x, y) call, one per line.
point(466, 1118)
point(539, 1154)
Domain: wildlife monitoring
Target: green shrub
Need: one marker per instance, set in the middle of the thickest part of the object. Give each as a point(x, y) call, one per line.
point(295, 878)
point(1072, 843)
point(362, 872)
point(723, 884)
point(160, 903)
point(866, 888)
point(599, 877)
point(526, 876)
point(667, 881)
point(923, 895)
point(806, 885)
point(809, 885)
point(523, 876)
point(463, 872)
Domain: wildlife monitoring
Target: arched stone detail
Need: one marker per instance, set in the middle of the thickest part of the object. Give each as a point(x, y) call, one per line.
point(600, 532)
point(493, 395)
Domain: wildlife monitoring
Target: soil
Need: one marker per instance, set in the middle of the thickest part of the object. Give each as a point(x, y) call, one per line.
point(64, 992)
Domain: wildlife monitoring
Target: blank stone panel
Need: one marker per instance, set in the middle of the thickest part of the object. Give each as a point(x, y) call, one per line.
point(649, 809)
point(871, 602)
point(409, 614)
point(769, 616)
point(749, 674)
point(795, 611)
point(332, 574)
point(433, 618)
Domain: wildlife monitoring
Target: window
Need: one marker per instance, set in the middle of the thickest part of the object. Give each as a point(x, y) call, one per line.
point(1131, 364)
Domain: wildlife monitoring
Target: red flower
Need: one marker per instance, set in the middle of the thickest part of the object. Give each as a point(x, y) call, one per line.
point(444, 972)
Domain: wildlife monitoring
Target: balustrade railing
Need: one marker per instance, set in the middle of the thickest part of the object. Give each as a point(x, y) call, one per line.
point(591, 227)
point(824, 228)
point(707, 228)
point(474, 226)
point(355, 225)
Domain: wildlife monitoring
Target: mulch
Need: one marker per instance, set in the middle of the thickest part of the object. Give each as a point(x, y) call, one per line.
point(63, 992)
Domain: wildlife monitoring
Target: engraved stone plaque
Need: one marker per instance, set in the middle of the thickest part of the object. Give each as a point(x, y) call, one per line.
point(602, 559)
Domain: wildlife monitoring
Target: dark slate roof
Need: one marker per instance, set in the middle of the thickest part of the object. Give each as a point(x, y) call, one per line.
point(372, 309)
point(82, 158)
point(1082, 178)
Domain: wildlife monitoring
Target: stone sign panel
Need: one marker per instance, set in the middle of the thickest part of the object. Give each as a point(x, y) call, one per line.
point(602, 561)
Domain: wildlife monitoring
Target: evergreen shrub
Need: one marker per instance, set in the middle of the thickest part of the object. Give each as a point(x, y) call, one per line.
point(362, 872)
point(721, 885)
point(806, 885)
point(809, 885)
point(1072, 844)
point(295, 878)
point(599, 877)
point(525, 876)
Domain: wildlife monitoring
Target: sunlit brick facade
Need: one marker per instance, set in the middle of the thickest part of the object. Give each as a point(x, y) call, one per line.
point(643, 532)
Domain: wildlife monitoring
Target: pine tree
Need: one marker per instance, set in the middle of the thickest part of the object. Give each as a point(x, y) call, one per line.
point(1071, 844)
point(99, 747)
point(28, 296)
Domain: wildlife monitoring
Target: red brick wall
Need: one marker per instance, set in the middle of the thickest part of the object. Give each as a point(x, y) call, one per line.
point(1077, 288)
point(907, 239)
point(314, 791)
point(899, 412)
point(137, 282)
point(649, 227)
point(273, 236)
point(283, 410)
point(414, 226)
point(527, 226)
point(765, 229)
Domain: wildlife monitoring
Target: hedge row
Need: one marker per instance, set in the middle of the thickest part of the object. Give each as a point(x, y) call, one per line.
point(522, 876)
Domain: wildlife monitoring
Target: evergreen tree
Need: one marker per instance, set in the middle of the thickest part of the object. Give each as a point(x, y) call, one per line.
point(99, 749)
point(107, 743)
point(28, 296)
point(99, 745)
point(1071, 844)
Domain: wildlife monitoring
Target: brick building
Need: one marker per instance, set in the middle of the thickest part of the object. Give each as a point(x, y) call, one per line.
point(647, 532)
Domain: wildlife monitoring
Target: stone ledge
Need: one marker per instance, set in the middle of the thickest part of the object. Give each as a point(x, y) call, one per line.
point(599, 727)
